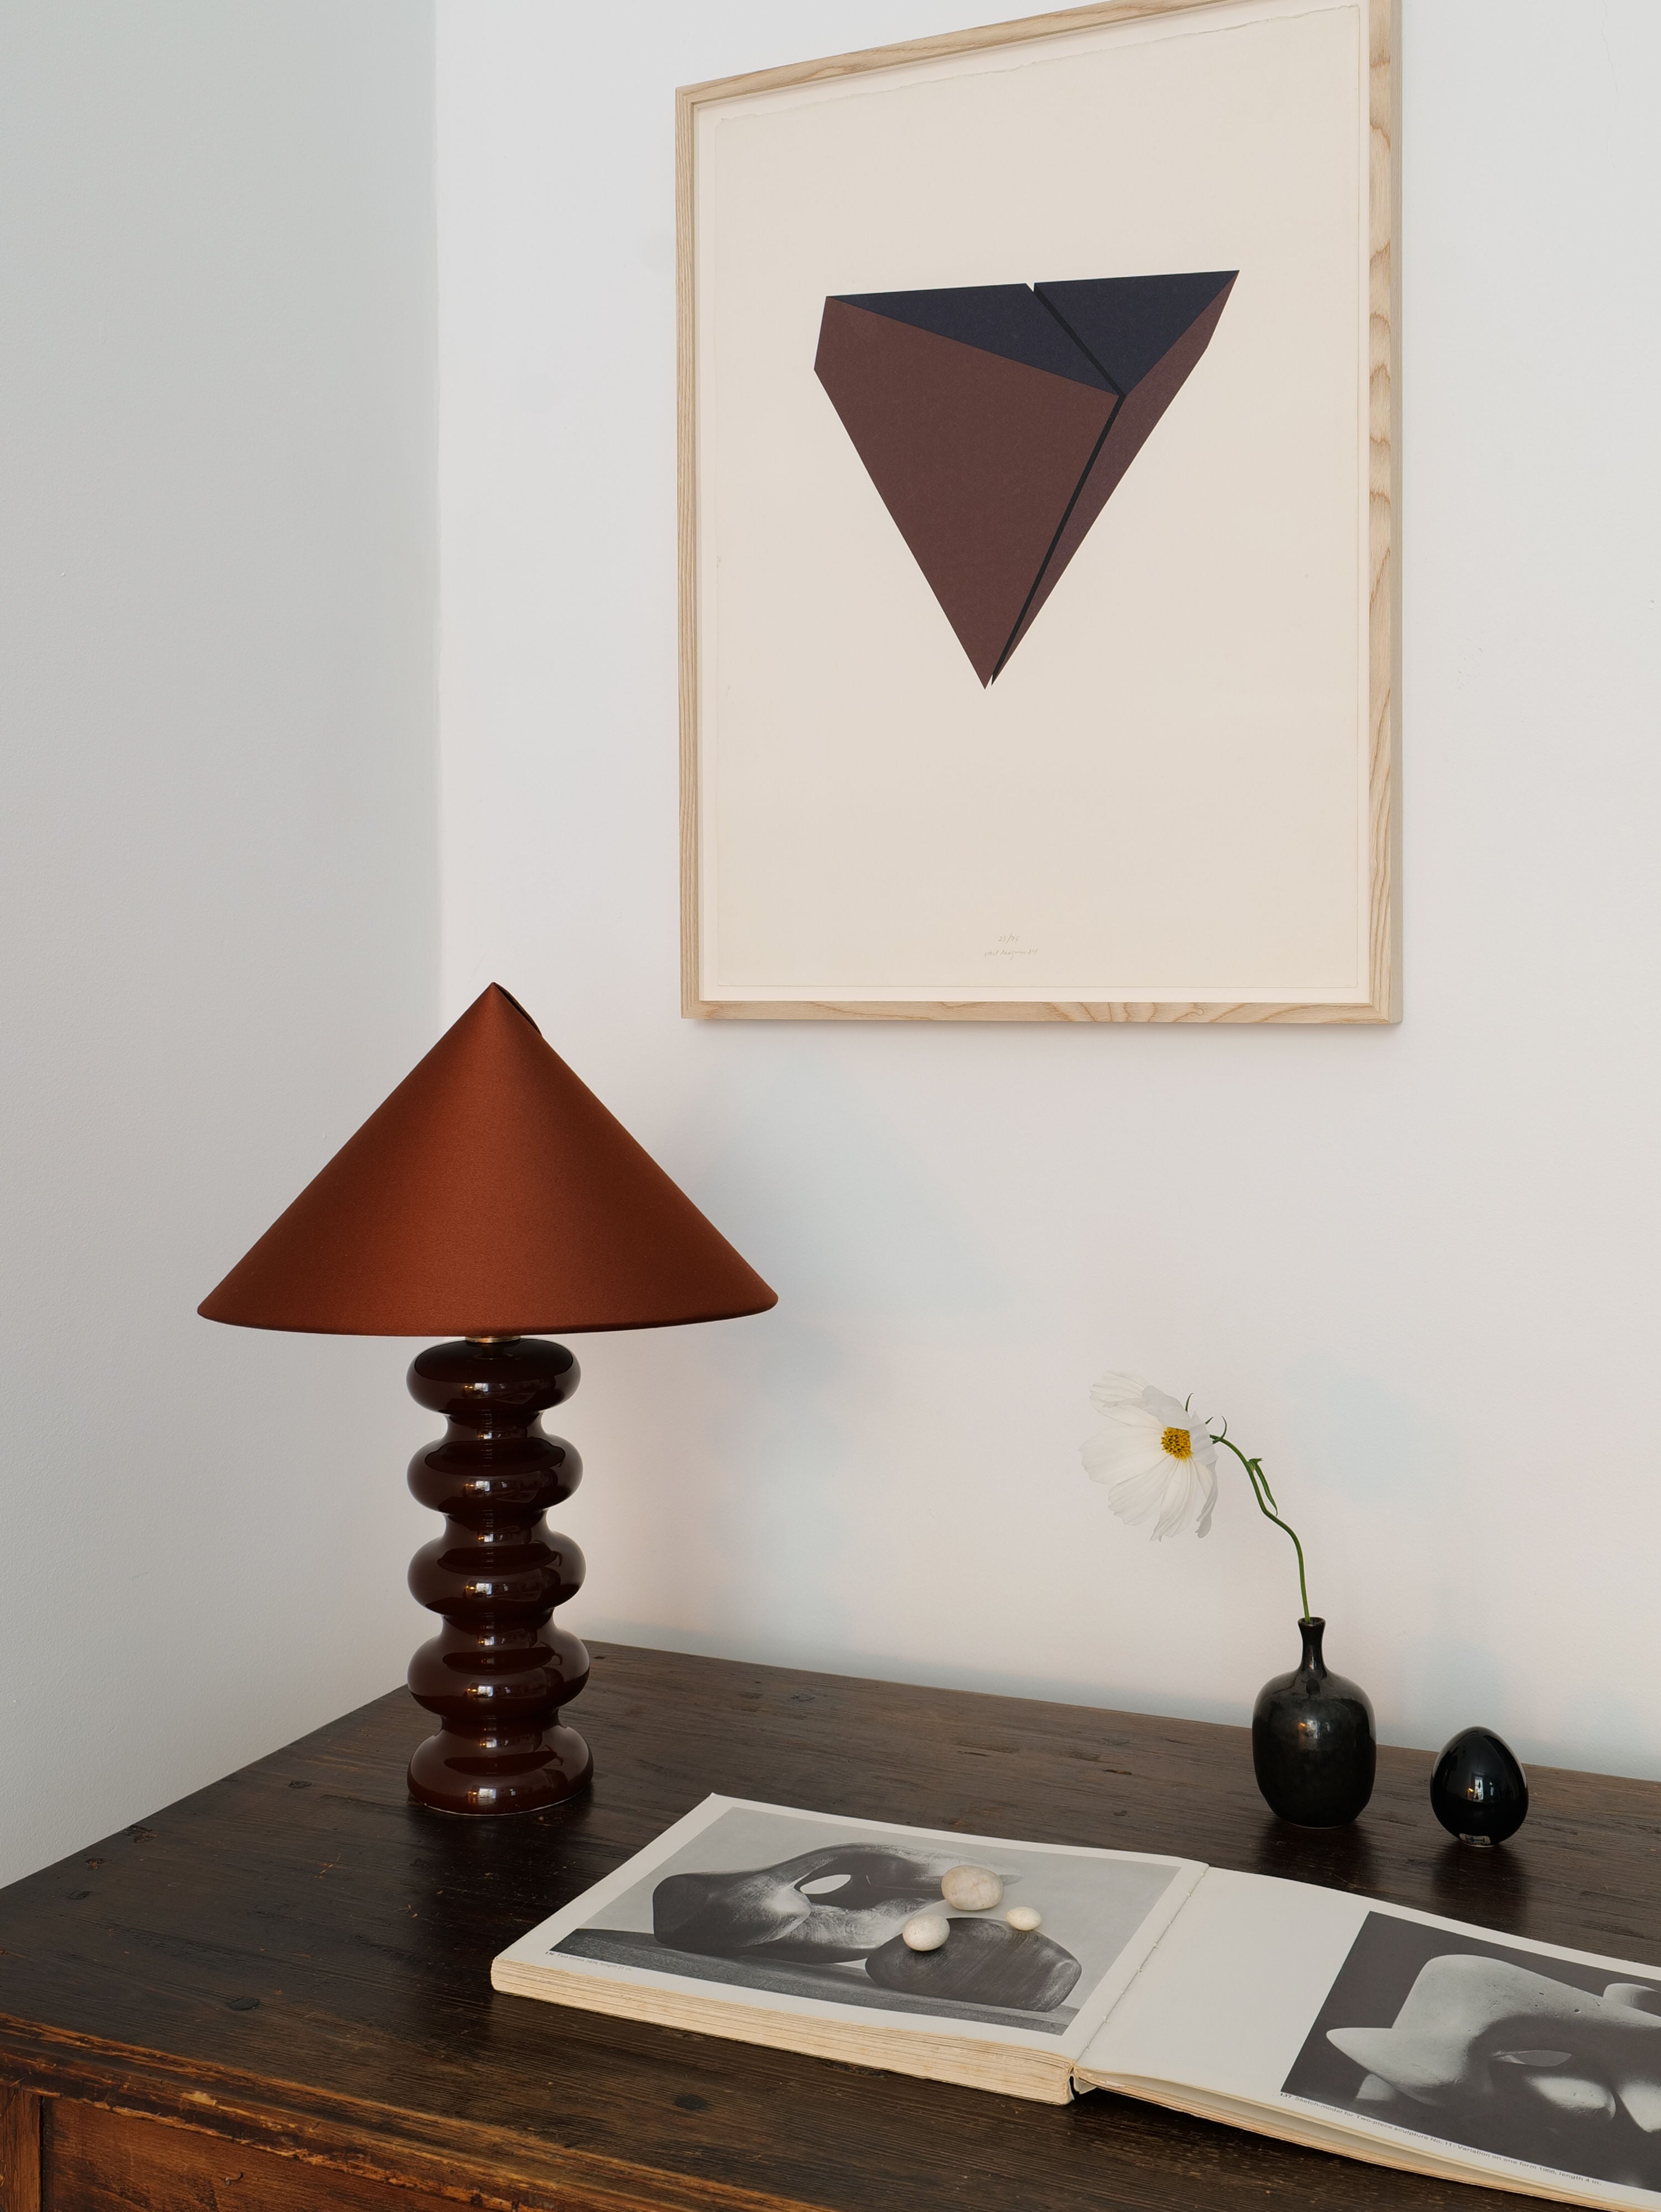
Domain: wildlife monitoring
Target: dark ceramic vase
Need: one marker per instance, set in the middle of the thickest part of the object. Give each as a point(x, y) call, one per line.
point(1312, 1746)
point(1478, 1792)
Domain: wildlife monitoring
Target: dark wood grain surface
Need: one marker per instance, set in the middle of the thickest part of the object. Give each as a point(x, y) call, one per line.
point(296, 1961)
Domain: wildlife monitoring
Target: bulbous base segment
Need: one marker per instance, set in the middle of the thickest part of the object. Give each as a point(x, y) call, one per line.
point(507, 1772)
point(498, 1672)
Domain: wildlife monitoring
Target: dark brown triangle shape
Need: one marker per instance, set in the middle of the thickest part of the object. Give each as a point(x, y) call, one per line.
point(1133, 423)
point(975, 457)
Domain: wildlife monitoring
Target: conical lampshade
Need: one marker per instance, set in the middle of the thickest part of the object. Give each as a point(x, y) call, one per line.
point(492, 1195)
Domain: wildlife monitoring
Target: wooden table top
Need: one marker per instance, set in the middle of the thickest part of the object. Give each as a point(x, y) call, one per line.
point(298, 1959)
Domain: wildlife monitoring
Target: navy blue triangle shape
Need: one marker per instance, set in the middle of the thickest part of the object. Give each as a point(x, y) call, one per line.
point(1007, 320)
point(1127, 324)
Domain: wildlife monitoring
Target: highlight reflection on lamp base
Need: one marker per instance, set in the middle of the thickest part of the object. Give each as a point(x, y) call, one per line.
point(498, 1672)
point(501, 1774)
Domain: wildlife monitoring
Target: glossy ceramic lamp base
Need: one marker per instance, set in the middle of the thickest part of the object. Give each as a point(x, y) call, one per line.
point(498, 1672)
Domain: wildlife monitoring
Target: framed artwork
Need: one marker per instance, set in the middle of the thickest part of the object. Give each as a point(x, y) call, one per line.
point(1038, 498)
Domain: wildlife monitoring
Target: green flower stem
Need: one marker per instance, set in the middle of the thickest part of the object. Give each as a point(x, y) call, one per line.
point(1265, 1497)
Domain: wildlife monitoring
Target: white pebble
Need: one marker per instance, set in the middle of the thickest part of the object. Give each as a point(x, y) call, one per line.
point(927, 1932)
point(971, 1888)
point(1024, 1917)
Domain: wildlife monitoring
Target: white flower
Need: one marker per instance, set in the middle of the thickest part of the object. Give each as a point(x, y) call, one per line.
point(1158, 1463)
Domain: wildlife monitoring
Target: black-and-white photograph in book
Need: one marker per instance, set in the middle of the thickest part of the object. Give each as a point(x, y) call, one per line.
point(1508, 2051)
point(798, 1906)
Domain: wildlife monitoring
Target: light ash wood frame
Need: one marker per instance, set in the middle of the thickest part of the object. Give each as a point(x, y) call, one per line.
point(1383, 804)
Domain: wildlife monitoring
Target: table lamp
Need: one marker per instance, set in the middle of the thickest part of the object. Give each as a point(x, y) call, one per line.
point(491, 1196)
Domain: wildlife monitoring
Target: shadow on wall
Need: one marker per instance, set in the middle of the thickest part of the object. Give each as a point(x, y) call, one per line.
point(878, 1233)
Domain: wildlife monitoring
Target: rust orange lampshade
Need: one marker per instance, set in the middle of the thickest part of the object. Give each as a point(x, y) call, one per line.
point(491, 1196)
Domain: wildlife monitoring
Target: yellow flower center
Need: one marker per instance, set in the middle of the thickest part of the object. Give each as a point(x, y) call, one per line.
point(1177, 1442)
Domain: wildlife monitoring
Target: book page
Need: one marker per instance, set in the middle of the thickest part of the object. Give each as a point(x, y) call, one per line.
point(799, 1913)
point(1397, 2036)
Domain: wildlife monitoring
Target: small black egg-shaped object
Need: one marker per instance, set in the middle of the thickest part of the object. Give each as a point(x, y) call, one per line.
point(1479, 1792)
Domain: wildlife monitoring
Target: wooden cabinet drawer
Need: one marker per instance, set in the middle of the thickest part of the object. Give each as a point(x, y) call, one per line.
point(93, 2161)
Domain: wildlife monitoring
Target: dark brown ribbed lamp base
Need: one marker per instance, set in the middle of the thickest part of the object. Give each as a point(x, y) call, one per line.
point(498, 1671)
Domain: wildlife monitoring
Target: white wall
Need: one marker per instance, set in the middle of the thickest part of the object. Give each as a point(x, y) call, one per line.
point(1415, 1267)
point(218, 875)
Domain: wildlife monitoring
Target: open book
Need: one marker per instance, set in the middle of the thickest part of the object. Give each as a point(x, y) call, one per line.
point(1363, 2028)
